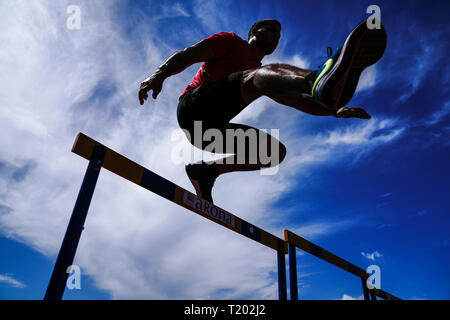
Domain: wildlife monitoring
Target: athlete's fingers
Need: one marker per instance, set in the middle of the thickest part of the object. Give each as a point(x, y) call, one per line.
point(367, 116)
point(141, 97)
point(155, 93)
point(156, 90)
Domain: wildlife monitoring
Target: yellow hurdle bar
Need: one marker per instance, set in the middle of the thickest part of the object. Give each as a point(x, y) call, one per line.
point(126, 168)
point(317, 251)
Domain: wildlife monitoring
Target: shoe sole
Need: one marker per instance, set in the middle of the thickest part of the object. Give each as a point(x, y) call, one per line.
point(196, 185)
point(362, 48)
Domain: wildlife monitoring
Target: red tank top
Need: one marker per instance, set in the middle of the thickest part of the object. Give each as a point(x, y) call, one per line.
point(232, 54)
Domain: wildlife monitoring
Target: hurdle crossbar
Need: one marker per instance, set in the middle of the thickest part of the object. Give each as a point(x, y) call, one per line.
point(384, 295)
point(323, 254)
point(295, 241)
point(126, 168)
point(102, 156)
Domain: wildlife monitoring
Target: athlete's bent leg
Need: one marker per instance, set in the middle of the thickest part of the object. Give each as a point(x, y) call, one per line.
point(251, 149)
point(283, 83)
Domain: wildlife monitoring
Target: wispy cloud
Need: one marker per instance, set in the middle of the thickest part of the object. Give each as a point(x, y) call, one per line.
point(206, 12)
point(348, 297)
point(368, 79)
point(417, 298)
point(385, 225)
point(385, 195)
point(439, 115)
point(420, 213)
point(372, 256)
point(427, 54)
point(338, 144)
point(316, 229)
point(8, 280)
point(172, 11)
point(296, 60)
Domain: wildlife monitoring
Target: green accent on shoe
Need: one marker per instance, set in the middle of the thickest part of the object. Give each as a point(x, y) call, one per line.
point(328, 64)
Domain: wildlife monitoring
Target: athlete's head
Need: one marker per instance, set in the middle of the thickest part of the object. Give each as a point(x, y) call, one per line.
point(265, 34)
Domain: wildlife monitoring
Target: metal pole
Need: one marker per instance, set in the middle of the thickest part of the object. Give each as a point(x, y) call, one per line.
point(57, 284)
point(282, 287)
point(365, 289)
point(293, 272)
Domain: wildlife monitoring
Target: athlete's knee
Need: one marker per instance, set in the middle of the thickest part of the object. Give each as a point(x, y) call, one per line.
point(276, 79)
point(249, 91)
point(262, 78)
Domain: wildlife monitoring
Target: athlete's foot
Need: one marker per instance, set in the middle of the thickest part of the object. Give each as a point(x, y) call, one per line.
point(346, 112)
point(202, 177)
point(334, 84)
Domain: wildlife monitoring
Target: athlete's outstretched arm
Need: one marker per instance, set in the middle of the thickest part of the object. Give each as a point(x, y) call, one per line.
point(179, 61)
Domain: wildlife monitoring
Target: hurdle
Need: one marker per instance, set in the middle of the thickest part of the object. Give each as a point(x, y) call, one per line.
point(101, 156)
point(294, 241)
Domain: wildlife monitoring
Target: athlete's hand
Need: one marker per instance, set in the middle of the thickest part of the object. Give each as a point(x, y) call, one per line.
point(154, 83)
point(346, 112)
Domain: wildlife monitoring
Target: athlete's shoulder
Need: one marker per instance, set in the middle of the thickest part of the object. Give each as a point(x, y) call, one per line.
point(235, 36)
point(224, 42)
point(238, 39)
point(224, 34)
point(225, 38)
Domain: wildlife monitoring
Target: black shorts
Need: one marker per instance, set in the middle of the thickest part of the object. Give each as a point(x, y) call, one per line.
point(215, 104)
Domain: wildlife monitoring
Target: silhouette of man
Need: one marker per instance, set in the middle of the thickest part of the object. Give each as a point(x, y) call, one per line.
point(231, 77)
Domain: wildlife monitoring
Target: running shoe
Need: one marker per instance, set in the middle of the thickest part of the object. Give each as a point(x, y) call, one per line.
point(202, 177)
point(335, 82)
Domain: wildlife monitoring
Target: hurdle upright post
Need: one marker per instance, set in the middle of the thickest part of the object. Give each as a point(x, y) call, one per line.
point(57, 284)
point(282, 285)
point(293, 272)
point(365, 289)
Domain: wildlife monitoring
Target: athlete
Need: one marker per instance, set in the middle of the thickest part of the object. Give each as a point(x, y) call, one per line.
point(232, 76)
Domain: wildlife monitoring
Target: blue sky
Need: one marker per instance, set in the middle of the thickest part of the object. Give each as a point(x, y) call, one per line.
point(373, 192)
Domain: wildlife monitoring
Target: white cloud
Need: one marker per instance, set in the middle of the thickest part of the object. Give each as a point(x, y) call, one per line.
point(299, 61)
point(278, 57)
point(372, 256)
point(317, 228)
point(347, 297)
point(206, 12)
point(367, 79)
point(341, 143)
point(11, 281)
point(172, 11)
